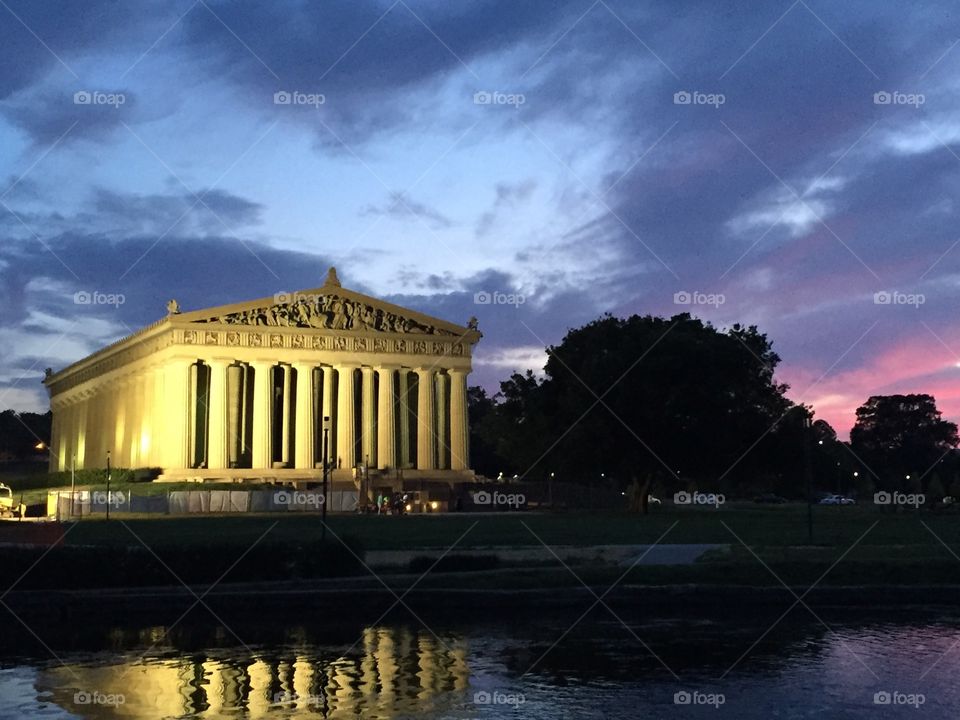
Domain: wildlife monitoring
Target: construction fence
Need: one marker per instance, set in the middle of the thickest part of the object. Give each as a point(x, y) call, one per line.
point(82, 503)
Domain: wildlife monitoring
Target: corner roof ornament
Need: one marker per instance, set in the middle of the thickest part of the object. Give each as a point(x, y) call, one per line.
point(332, 278)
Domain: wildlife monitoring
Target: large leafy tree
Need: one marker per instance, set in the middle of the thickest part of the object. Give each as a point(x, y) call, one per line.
point(645, 399)
point(514, 433)
point(900, 435)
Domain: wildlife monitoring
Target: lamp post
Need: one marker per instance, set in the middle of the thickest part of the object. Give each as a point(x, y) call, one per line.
point(326, 467)
point(808, 476)
point(108, 484)
point(73, 482)
point(366, 480)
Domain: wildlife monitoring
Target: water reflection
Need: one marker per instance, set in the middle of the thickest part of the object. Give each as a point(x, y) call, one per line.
point(399, 670)
point(391, 672)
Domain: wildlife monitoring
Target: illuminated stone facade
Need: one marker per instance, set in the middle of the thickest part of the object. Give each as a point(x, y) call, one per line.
point(251, 390)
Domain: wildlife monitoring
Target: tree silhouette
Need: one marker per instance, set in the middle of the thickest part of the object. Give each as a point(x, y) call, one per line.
point(901, 435)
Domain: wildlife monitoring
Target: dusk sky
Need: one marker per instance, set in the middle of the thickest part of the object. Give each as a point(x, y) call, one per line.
point(794, 166)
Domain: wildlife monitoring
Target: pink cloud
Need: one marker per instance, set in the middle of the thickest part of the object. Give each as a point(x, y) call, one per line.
point(918, 363)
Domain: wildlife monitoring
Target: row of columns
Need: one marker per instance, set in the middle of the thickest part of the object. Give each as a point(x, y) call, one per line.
point(182, 413)
point(441, 416)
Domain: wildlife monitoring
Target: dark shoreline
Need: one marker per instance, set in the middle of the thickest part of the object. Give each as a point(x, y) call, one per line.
point(69, 605)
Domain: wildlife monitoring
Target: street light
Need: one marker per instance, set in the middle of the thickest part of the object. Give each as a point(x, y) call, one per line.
point(108, 484)
point(326, 464)
point(808, 475)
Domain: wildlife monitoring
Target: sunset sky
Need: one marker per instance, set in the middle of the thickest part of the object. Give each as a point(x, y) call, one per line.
point(794, 166)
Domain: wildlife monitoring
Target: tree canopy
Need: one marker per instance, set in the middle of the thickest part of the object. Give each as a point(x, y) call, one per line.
point(900, 435)
point(638, 397)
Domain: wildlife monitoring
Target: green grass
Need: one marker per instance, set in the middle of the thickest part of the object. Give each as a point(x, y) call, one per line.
point(765, 527)
point(877, 546)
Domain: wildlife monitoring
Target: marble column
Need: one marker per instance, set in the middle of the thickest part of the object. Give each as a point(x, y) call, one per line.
point(346, 418)
point(217, 453)
point(426, 429)
point(262, 414)
point(285, 413)
point(194, 423)
point(234, 414)
point(246, 412)
point(329, 375)
point(386, 419)
point(304, 417)
point(56, 427)
point(156, 419)
point(441, 381)
point(459, 430)
point(82, 441)
point(177, 413)
point(403, 390)
point(368, 437)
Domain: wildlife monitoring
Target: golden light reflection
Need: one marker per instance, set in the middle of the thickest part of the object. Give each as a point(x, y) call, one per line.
point(394, 673)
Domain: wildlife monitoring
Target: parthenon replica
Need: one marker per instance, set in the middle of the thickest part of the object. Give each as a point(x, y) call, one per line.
point(255, 390)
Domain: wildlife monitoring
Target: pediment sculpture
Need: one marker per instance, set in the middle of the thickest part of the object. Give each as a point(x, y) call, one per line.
point(328, 312)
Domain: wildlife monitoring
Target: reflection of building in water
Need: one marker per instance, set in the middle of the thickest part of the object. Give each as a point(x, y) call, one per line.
point(392, 671)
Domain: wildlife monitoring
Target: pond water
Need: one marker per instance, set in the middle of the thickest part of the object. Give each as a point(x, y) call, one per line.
point(897, 663)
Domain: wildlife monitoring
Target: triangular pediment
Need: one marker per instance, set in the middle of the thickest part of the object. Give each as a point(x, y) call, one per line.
point(329, 307)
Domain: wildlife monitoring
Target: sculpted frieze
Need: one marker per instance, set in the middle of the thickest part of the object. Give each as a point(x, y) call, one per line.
point(328, 312)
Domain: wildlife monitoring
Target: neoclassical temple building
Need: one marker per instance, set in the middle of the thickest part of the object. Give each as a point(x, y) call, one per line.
point(256, 390)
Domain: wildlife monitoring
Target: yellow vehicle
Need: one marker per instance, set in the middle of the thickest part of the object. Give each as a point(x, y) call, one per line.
point(8, 508)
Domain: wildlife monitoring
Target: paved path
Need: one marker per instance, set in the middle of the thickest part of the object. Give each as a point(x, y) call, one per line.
point(624, 555)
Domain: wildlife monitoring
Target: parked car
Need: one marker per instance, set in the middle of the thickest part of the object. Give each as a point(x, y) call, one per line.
point(838, 500)
point(770, 498)
point(652, 500)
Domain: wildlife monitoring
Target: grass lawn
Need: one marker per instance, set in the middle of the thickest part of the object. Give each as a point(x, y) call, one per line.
point(893, 548)
point(757, 526)
point(855, 545)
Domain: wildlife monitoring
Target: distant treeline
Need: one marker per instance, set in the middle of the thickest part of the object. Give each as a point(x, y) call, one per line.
point(22, 432)
point(674, 404)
